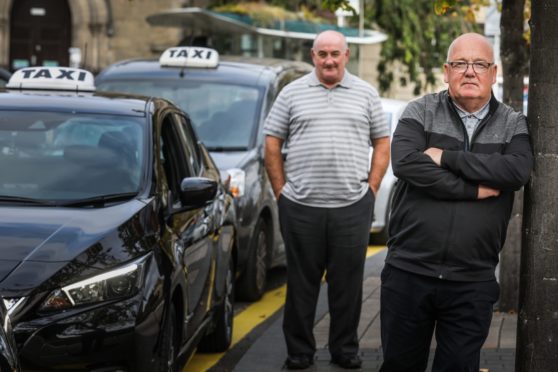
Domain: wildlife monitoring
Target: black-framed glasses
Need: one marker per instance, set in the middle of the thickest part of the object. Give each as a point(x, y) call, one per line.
point(479, 67)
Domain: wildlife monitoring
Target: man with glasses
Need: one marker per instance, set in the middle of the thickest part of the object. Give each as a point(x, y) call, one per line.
point(459, 155)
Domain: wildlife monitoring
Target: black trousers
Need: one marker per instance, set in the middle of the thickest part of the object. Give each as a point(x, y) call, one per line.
point(413, 307)
point(318, 240)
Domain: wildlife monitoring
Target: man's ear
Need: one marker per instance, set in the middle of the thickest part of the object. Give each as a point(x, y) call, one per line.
point(494, 74)
point(446, 72)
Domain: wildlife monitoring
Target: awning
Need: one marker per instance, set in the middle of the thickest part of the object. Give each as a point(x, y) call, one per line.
point(206, 21)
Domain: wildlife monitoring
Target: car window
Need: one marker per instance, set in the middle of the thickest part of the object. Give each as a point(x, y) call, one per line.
point(172, 158)
point(224, 115)
point(189, 140)
point(66, 156)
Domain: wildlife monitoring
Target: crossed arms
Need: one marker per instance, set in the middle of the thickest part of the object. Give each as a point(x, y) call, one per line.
point(458, 175)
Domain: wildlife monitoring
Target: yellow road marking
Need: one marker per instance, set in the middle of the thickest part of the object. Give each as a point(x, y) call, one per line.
point(249, 318)
point(373, 249)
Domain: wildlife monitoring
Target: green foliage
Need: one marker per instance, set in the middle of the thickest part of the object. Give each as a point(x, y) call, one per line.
point(264, 14)
point(261, 13)
point(418, 38)
point(333, 5)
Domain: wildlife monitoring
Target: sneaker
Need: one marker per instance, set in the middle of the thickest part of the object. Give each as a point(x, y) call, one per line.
point(347, 361)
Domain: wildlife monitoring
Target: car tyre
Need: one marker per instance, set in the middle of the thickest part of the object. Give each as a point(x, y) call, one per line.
point(253, 280)
point(220, 337)
point(169, 344)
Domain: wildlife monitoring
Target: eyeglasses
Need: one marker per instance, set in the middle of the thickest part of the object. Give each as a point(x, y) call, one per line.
point(462, 66)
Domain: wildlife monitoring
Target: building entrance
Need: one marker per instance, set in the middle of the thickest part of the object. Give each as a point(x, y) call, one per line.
point(40, 33)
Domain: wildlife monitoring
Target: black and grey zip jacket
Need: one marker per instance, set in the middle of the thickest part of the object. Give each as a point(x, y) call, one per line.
point(438, 226)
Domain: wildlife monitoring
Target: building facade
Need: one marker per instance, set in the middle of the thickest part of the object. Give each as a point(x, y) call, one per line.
point(95, 33)
point(88, 33)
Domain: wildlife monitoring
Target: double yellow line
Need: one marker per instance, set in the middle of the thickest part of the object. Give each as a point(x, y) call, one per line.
point(248, 319)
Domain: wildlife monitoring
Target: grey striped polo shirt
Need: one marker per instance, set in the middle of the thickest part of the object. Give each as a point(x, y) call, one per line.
point(327, 135)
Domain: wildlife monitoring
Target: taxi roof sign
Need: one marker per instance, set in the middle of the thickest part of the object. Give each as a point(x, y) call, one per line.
point(52, 78)
point(199, 57)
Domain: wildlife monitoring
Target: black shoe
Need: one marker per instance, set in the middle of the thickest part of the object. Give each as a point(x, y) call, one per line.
point(298, 362)
point(347, 362)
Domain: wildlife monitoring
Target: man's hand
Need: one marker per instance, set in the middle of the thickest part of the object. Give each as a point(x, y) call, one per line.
point(274, 164)
point(380, 162)
point(435, 154)
point(487, 192)
point(373, 188)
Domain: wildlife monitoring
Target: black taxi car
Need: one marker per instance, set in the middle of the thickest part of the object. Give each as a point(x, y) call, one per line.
point(116, 232)
point(228, 99)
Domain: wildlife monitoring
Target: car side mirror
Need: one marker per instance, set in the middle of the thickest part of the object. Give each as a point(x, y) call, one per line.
point(195, 192)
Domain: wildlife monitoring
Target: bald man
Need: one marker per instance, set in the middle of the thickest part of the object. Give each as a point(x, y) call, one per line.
point(459, 155)
point(325, 192)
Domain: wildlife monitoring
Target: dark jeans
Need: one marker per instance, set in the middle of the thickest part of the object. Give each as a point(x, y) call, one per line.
point(318, 240)
point(413, 307)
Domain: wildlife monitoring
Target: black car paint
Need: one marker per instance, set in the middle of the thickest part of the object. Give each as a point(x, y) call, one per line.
point(44, 248)
point(258, 202)
point(4, 77)
point(9, 360)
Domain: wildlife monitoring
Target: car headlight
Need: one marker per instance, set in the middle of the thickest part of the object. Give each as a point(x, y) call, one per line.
point(118, 283)
point(237, 181)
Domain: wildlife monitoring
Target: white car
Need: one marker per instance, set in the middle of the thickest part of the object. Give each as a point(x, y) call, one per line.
point(379, 229)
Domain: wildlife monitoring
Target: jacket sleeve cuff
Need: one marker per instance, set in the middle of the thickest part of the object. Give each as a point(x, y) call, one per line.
point(471, 191)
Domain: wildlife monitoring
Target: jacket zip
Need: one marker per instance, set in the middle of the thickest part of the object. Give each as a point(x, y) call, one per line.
point(448, 236)
point(479, 127)
point(467, 147)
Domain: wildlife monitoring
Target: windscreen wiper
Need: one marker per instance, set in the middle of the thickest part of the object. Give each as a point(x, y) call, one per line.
point(98, 201)
point(24, 200)
point(226, 148)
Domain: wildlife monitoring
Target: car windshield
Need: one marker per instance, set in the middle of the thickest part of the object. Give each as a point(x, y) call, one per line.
point(47, 156)
point(223, 114)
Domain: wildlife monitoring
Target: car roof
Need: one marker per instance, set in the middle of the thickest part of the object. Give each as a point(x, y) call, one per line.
point(242, 70)
point(105, 103)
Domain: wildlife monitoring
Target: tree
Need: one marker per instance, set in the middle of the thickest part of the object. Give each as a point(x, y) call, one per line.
point(513, 53)
point(538, 308)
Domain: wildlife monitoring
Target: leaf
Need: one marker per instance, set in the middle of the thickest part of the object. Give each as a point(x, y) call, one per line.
point(442, 6)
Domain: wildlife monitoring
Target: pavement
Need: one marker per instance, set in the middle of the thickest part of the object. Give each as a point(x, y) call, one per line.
point(268, 353)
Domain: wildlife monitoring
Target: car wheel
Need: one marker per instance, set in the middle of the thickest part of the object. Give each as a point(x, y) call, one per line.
point(169, 346)
point(220, 337)
point(253, 280)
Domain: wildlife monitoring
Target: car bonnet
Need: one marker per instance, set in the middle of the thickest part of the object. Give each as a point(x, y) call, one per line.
point(36, 242)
